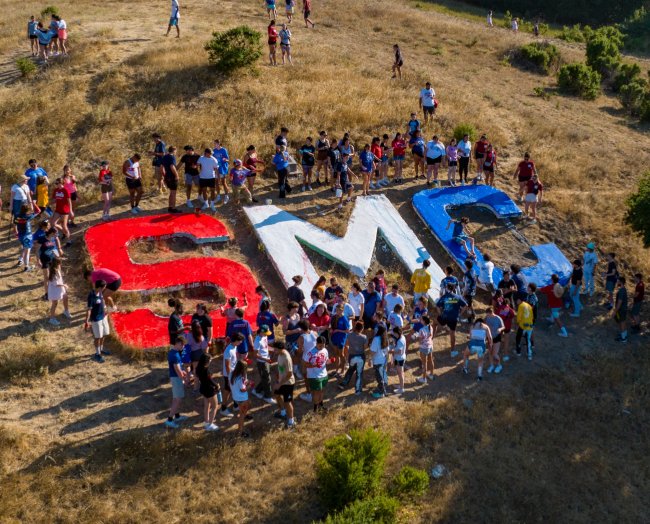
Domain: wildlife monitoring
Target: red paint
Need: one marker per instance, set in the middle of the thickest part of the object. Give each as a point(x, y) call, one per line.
point(108, 247)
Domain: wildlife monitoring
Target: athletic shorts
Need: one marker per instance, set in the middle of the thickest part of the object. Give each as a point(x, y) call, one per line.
point(610, 285)
point(426, 351)
point(106, 188)
point(429, 110)
point(46, 261)
point(497, 339)
point(171, 183)
point(285, 391)
point(451, 324)
point(636, 309)
point(33, 37)
point(478, 156)
point(191, 180)
point(271, 7)
point(210, 183)
point(489, 169)
point(133, 184)
point(273, 42)
point(114, 286)
point(317, 384)
point(453, 163)
point(307, 13)
point(398, 157)
point(523, 179)
point(531, 198)
point(178, 389)
point(555, 312)
point(73, 196)
point(173, 21)
point(27, 241)
point(620, 316)
point(100, 328)
point(476, 349)
point(432, 161)
point(400, 363)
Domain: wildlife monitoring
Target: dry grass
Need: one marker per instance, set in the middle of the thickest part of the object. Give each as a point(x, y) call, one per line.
point(83, 443)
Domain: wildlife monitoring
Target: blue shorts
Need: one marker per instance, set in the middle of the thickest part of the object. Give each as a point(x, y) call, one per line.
point(398, 157)
point(426, 351)
point(476, 347)
point(173, 21)
point(385, 160)
point(191, 180)
point(555, 312)
point(270, 6)
point(461, 239)
point(27, 241)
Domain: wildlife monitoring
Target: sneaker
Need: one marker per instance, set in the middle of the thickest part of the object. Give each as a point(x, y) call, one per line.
point(98, 358)
point(372, 185)
point(518, 352)
point(430, 376)
point(29, 268)
point(211, 427)
point(269, 400)
point(574, 315)
point(171, 424)
point(291, 426)
point(303, 188)
point(226, 413)
point(137, 209)
point(205, 206)
point(306, 397)
point(357, 393)
point(255, 393)
point(384, 182)
point(189, 204)
point(498, 369)
point(619, 338)
point(421, 380)
point(376, 394)
point(105, 217)
point(54, 322)
point(506, 359)
point(563, 334)
point(279, 415)
point(226, 199)
point(399, 391)
point(212, 208)
point(106, 352)
point(44, 297)
point(454, 354)
point(180, 418)
point(479, 378)
point(309, 188)
point(465, 371)
point(530, 355)
point(490, 369)
point(67, 314)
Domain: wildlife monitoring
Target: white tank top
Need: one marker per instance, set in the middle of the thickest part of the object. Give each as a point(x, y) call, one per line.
point(478, 334)
point(133, 170)
point(309, 343)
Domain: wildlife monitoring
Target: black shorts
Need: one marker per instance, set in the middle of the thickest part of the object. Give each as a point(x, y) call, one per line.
point(114, 286)
point(33, 37)
point(478, 155)
point(496, 339)
point(46, 261)
point(171, 184)
point(208, 392)
point(226, 384)
point(273, 42)
point(399, 363)
point(369, 323)
point(73, 196)
point(451, 324)
point(133, 184)
point(431, 161)
point(207, 182)
point(523, 180)
point(489, 169)
point(429, 110)
point(453, 163)
point(469, 299)
point(307, 13)
point(286, 391)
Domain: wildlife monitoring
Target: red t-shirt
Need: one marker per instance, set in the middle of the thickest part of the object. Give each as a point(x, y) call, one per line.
point(62, 198)
point(639, 292)
point(104, 274)
point(322, 321)
point(251, 164)
point(534, 187)
point(306, 4)
point(273, 34)
point(554, 301)
point(490, 158)
point(481, 146)
point(375, 149)
point(506, 313)
point(399, 146)
point(526, 170)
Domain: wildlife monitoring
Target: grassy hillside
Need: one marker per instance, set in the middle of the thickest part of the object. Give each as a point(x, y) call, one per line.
point(561, 439)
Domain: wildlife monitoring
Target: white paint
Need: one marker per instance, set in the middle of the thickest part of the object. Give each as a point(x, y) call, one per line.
point(282, 234)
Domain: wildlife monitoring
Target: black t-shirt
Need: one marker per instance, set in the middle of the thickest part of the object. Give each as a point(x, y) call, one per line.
point(506, 286)
point(612, 272)
point(175, 327)
point(307, 158)
point(331, 292)
point(190, 164)
point(576, 276)
point(96, 306)
point(295, 294)
point(205, 321)
point(281, 141)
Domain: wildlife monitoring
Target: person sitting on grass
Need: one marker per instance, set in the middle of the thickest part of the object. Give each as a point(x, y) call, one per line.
point(460, 235)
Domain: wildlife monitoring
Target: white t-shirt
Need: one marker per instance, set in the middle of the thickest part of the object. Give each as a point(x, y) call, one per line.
point(62, 24)
point(21, 193)
point(435, 149)
point(392, 301)
point(207, 165)
point(356, 303)
point(485, 272)
point(320, 358)
point(424, 335)
point(175, 11)
point(427, 96)
point(378, 353)
point(236, 388)
point(399, 351)
point(133, 171)
point(465, 148)
point(308, 344)
point(314, 305)
point(261, 345)
point(229, 355)
point(395, 320)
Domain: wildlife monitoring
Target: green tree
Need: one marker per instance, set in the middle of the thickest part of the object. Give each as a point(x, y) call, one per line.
point(604, 50)
point(233, 49)
point(638, 209)
point(580, 80)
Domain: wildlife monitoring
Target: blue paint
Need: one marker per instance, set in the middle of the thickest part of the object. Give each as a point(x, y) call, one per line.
point(432, 205)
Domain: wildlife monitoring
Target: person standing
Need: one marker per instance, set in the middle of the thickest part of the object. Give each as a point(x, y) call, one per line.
point(534, 194)
point(271, 11)
point(106, 187)
point(263, 360)
point(32, 173)
point(554, 295)
point(32, 34)
point(490, 23)
point(637, 302)
point(131, 170)
point(620, 310)
point(221, 154)
point(189, 160)
point(306, 11)
point(451, 157)
point(450, 308)
point(307, 161)
point(62, 33)
point(281, 163)
point(20, 195)
point(379, 353)
point(589, 263)
point(240, 386)
point(497, 328)
point(371, 303)
point(254, 165)
point(421, 281)
point(285, 385)
point(97, 319)
point(436, 151)
point(480, 344)
point(230, 359)
point(174, 19)
point(490, 165)
point(208, 167)
point(479, 154)
point(272, 33)
point(316, 364)
point(524, 173)
point(367, 160)
point(428, 102)
point(62, 210)
point(210, 390)
point(158, 153)
point(525, 322)
point(238, 177)
point(464, 158)
point(57, 291)
point(576, 284)
point(285, 43)
point(177, 379)
point(425, 337)
point(322, 157)
point(170, 177)
point(289, 6)
point(611, 277)
point(357, 344)
point(398, 63)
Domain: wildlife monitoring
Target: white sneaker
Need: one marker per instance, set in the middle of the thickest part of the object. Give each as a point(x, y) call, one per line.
point(563, 334)
point(422, 380)
point(226, 199)
point(138, 210)
point(189, 204)
point(309, 188)
point(212, 208)
point(226, 413)
point(306, 397)
point(54, 322)
point(255, 393)
point(269, 400)
point(399, 391)
point(67, 314)
point(218, 199)
point(384, 182)
point(171, 424)
point(134, 210)
point(205, 206)
point(454, 354)
point(211, 427)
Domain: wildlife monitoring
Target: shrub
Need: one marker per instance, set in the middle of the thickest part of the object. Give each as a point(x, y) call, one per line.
point(580, 80)
point(465, 129)
point(626, 74)
point(603, 50)
point(238, 47)
point(49, 11)
point(541, 55)
point(351, 467)
point(633, 94)
point(376, 510)
point(572, 34)
point(638, 209)
point(507, 19)
point(410, 482)
point(644, 110)
point(26, 66)
point(32, 362)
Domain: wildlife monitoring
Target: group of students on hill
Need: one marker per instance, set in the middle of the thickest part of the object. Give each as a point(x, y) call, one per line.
point(47, 41)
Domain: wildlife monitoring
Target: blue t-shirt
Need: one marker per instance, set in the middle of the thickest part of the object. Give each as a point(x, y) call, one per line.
point(186, 354)
point(519, 282)
point(367, 160)
point(239, 176)
point(281, 160)
point(223, 159)
point(339, 339)
point(45, 37)
point(160, 147)
point(31, 28)
point(24, 225)
point(96, 306)
point(39, 236)
point(452, 280)
point(240, 325)
point(458, 229)
point(451, 304)
point(268, 318)
point(33, 175)
point(173, 357)
point(417, 145)
point(167, 161)
point(470, 284)
point(371, 303)
point(414, 125)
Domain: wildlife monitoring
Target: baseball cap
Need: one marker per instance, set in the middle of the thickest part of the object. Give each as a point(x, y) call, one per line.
point(264, 330)
point(237, 162)
point(591, 245)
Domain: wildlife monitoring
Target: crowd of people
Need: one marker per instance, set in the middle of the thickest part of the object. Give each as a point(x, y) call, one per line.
point(47, 41)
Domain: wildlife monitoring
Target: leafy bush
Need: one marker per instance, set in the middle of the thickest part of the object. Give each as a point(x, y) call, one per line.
point(633, 94)
point(351, 467)
point(465, 129)
point(580, 80)
point(410, 482)
point(572, 34)
point(376, 510)
point(541, 55)
point(26, 66)
point(644, 110)
point(638, 209)
point(603, 50)
point(626, 74)
point(233, 49)
point(49, 11)
point(507, 19)
point(637, 30)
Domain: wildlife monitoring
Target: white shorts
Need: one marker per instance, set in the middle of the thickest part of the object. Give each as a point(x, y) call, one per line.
point(531, 198)
point(100, 328)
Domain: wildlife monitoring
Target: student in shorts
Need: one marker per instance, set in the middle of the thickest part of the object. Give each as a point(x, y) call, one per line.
point(32, 27)
point(450, 308)
point(174, 18)
point(306, 11)
point(220, 153)
point(177, 379)
point(170, 177)
point(97, 319)
point(189, 160)
point(133, 178)
point(284, 388)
